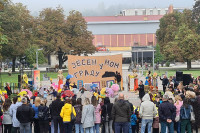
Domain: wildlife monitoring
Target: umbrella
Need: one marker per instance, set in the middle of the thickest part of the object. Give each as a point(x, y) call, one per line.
point(68, 93)
point(69, 76)
point(75, 90)
point(28, 92)
point(93, 86)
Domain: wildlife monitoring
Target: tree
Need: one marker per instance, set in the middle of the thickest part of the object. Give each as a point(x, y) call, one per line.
point(158, 56)
point(78, 37)
point(3, 40)
point(177, 37)
point(49, 32)
point(196, 15)
point(16, 24)
point(30, 55)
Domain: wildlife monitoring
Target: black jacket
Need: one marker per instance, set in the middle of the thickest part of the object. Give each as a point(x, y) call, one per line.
point(141, 91)
point(25, 113)
point(9, 92)
point(166, 111)
point(121, 111)
point(55, 108)
point(105, 111)
point(165, 81)
point(46, 114)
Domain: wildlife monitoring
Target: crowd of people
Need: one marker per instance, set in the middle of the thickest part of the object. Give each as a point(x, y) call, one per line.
point(177, 108)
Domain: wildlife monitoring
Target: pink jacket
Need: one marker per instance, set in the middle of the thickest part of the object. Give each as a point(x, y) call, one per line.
point(97, 113)
point(178, 107)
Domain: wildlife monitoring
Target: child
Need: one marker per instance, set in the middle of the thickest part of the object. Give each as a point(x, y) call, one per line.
point(133, 122)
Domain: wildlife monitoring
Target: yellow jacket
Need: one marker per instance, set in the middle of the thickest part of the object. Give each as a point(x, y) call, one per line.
point(66, 112)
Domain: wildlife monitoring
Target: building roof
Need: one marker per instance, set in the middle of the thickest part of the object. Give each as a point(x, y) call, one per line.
point(123, 18)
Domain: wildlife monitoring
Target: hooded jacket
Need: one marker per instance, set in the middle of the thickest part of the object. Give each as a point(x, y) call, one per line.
point(121, 111)
point(88, 116)
point(66, 112)
point(13, 111)
point(147, 109)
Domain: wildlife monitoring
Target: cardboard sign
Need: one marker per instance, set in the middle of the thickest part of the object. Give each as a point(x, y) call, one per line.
point(94, 68)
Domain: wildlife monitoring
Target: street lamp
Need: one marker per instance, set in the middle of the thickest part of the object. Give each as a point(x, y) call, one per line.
point(153, 56)
point(37, 56)
point(70, 52)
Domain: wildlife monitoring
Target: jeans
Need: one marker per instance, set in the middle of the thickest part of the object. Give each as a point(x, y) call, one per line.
point(78, 127)
point(178, 127)
point(96, 128)
point(68, 127)
point(89, 130)
point(133, 127)
point(57, 120)
point(15, 130)
point(121, 125)
point(7, 128)
point(25, 127)
point(108, 126)
point(36, 126)
point(145, 122)
point(44, 126)
point(185, 124)
point(169, 125)
point(130, 128)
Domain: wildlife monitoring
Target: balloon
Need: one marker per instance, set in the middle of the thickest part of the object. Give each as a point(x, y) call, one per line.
point(115, 87)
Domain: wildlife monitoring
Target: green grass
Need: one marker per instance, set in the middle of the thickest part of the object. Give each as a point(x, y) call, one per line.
point(14, 77)
point(194, 73)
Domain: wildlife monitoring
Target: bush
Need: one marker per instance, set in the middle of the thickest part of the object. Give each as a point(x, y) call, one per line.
point(167, 64)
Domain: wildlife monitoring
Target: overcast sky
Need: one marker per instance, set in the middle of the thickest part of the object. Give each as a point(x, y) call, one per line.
point(91, 5)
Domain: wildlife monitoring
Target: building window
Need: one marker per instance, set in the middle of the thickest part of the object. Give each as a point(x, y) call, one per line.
point(144, 12)
point(158, 12)
point(151, 12)
point(136, 13)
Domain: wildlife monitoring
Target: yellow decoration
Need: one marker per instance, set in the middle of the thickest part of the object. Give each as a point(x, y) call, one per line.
point(1, 92)
point(59, 91)
point(22, 93)
point(25, 78)
point(131, 76)
point(103, 93)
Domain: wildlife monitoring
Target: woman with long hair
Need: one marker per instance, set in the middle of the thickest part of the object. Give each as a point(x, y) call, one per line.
point(88, 116)
point(178, 105)
point(7, 119)
point(36, 119)
point(43, 117)
point(97, 111)
point(185, 115)
point(78, 108)
point(65, 113)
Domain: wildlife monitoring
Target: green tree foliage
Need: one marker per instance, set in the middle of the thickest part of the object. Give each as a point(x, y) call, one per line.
point(78, 37)
point(30, 54)
point(178, 38)
point(16, 24)
point(158, 56)
point(196, 15)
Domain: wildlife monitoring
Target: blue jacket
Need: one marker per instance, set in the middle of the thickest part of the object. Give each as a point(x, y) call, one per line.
point(133, 119)
point(185, 113)
point(36, 111)
point(13, 111)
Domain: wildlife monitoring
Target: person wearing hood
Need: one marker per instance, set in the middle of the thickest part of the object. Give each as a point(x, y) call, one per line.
point(65, 114)
point(147, 112)
point(121, 114)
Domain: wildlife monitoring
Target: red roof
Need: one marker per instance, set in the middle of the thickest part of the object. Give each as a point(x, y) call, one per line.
point(123, 18)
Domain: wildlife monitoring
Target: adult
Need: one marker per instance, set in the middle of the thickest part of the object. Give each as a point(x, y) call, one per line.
point(118, 78)
point(82, 89)
point(7, 119)
point(178, 105)
point(78, 108)
point(36, 119)
point(97, 111)
point(43, 117)
point(55, 109)
point(147, 112)
point(167, 114)
point(121, 113)
point(88, 116)
point(65, 113)
point(106, 115)
point(13, 111)
point(141, 89)
point(24, 115)
point(185, 116)
point(7, 88)
point(165, 82)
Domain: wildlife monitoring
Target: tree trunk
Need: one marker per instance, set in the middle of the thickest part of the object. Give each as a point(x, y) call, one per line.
point(60, 59)
point(13, 64)
point(189, 66)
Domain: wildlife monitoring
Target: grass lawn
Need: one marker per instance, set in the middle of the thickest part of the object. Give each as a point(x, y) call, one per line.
point(14, 77)
point(194, 73)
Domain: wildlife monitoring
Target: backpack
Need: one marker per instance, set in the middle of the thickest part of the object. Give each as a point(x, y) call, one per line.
point(41, 113)
point(78, 114)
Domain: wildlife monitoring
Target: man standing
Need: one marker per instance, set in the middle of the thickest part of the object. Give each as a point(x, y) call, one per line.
point(147, 113)
point(121, 114)
point(55, 109)
point(165, 82)
point(167, 114)
point(24, 115)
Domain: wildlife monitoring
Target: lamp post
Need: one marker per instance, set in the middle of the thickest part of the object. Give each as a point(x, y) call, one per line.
point(153, 56)
point(37, 56)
